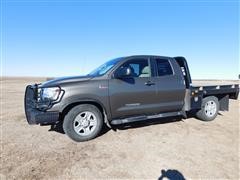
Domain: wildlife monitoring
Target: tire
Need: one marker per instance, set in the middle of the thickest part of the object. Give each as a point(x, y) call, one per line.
point(209, 109)
point(83, 122)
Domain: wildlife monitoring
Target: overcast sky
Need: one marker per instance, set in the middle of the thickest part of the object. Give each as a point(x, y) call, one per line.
point(64, 38)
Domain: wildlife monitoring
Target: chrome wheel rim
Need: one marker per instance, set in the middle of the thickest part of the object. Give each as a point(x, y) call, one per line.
point(210, 108)
point(85, 123)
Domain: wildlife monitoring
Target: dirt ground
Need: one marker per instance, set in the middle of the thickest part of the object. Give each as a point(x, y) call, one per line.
point(193, 148)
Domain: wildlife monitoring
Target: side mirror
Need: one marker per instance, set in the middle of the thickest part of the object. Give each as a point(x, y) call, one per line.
point(123, 72)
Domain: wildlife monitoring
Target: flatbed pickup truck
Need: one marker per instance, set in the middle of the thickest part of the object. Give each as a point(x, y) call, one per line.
point(124, 90)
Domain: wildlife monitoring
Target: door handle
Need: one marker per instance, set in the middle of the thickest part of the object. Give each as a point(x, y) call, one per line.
point(149, 83)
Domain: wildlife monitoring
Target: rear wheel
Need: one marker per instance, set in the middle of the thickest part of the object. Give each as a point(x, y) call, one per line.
point(209, 109)
point(83, 122)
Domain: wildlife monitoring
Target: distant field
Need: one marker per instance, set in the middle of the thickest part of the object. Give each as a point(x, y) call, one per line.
point(205, 81)
point(214, 82)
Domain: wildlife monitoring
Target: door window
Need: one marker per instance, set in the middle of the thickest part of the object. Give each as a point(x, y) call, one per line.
point(139, 68)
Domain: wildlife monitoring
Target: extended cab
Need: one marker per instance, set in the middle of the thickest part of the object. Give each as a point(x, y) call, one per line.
point(124, 90)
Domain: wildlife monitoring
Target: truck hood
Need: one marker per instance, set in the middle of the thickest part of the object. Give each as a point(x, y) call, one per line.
point(58, 81)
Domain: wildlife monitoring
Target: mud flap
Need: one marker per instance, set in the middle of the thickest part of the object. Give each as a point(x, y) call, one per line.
point(224, 103)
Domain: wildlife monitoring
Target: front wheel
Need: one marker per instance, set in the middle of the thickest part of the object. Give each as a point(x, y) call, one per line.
point(209, 109)
point(83, 122)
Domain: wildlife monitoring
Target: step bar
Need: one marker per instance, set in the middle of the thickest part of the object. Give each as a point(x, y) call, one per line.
point(145, 117)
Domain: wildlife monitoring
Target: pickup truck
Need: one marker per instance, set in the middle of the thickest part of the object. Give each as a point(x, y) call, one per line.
point(124, 90)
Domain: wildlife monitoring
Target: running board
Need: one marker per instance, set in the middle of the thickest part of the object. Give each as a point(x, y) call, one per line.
point(144, 117)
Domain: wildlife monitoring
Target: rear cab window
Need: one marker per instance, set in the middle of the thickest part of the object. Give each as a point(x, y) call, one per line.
point(164, 67)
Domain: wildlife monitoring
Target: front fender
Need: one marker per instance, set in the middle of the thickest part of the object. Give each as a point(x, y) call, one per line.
point(70, 102)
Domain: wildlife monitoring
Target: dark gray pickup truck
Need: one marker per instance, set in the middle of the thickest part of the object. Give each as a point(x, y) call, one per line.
point(124, 90)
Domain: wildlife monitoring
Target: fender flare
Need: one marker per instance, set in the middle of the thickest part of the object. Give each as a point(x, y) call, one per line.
point(71, 103)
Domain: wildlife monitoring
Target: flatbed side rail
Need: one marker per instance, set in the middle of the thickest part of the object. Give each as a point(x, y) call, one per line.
point(231, 90)
point(195, 94)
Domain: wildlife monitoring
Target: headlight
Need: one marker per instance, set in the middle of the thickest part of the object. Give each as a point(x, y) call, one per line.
point(51, 93)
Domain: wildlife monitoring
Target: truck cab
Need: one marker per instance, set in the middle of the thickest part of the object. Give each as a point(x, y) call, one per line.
point(124, 90)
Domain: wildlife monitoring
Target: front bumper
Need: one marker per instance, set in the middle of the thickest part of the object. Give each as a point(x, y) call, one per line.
point(33, 115)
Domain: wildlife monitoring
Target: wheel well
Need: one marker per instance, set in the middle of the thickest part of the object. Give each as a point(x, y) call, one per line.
point(218, 96)
point(70, 106)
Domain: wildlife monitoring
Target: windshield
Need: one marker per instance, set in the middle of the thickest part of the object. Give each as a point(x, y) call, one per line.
point(103, 69)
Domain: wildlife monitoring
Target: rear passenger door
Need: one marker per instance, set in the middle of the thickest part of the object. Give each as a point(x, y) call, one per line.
point(170, 84)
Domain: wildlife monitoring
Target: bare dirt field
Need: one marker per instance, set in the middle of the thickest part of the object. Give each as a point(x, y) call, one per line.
point(196, 149)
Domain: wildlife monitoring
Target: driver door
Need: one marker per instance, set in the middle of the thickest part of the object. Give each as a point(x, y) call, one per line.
point(133, 95)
